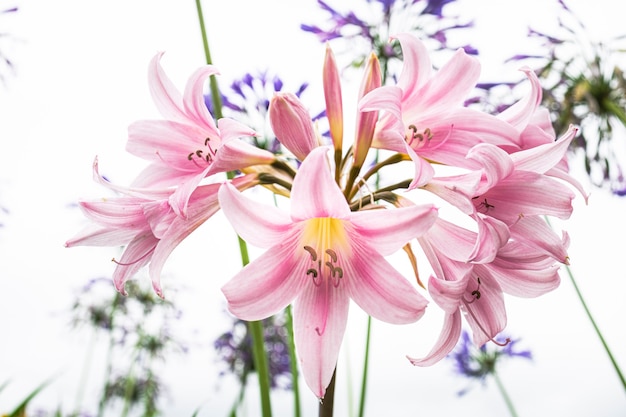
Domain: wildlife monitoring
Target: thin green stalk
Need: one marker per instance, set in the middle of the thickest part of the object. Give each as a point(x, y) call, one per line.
point(293, 363)
point(255, 327)
point(505, 395)
point(570, 274)
point(130, 385)
point(595, 326)
point(215, 92)
point(365, 367)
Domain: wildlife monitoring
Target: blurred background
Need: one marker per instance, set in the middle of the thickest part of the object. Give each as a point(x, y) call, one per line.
point(73, 77)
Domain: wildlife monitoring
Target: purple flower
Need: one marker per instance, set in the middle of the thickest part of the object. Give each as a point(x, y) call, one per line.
point(435, 7)
point(431, 26)
point(248, 99)
point(234, 349)
point(479, 362)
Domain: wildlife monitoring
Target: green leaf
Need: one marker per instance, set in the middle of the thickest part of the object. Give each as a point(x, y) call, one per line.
point(20, 410)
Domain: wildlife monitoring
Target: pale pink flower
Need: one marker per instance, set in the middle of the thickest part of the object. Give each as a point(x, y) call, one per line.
point(526, 266)
point(143, 221)
point(187, 145)
point(319, 257)
point(425, 116)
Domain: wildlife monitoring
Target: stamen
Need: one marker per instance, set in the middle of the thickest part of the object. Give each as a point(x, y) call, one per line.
point(142, 257)
point(475, 293)
point(506, 342)
point(483, 204)
point(312, 252)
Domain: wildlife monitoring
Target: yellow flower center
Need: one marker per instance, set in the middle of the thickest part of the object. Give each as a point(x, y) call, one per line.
point(325, 240)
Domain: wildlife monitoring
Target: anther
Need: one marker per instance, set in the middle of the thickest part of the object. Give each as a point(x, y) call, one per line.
point(312, 252)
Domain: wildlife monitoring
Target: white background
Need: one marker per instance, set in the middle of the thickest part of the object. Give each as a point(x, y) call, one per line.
point(81, 79)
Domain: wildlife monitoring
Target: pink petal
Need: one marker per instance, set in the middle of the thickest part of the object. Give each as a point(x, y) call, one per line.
point(497, 164)
point(520, 114)
point(268, 284)
point(451, 84)
point(492, 235)
point(167, 142)
point(450, 333)
point(525, 282)
point(386, 231)
point(136, 255)
point(417, 66)
point(457, 190)
point(236, 154)
point(165, 95)
point(179, 200)
point(231, 128)
point(527, 194)
point(544, 157)
point(448, 294)
point(260, 225)
point(314, 192)
point(535, 232)
point(93, 235)
point(320, 316)
point(203, 205)
point(380, 290)
point(193, 99)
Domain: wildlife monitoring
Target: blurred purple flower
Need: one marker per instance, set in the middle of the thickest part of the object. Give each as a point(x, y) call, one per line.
point(234, 349)
point(5, 62)
point(475, 362)
point(427, 19)
point(247, 99)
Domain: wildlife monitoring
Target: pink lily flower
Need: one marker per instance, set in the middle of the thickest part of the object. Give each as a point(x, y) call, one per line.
point(319, 257)
point(460, 290)
point(187, 146)
point(522, 268)
point(425, 117)
point(144, 222)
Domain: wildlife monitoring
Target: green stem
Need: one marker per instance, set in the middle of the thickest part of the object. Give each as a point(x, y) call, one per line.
point(505, 395)
point(365, 367)
point(261, 366)
point(255, 327)
point(215, 92)
point(393, 159)
point(570, 274)
point(596, 328)
point(327, 404)
point(293, 363)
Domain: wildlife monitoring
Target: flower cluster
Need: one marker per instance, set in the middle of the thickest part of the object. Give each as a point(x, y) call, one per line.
point(500, 176)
